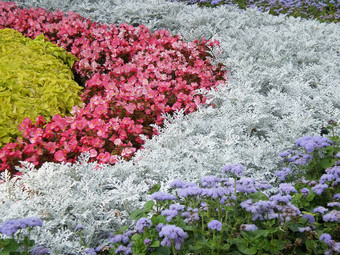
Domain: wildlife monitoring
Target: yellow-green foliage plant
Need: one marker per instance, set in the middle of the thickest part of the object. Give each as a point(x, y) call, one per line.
point(35, 79)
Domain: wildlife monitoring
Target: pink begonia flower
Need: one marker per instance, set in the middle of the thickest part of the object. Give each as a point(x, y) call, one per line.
point(59, 156)
point(93, 153)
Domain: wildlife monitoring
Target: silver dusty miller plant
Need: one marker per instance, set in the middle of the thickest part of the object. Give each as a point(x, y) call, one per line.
point(283, 83)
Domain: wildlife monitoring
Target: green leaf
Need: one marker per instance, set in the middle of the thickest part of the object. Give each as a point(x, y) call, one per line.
point(137, 214)
point(154, 189)
point(155, 244)
point(276, 246)
point(258, 196)
point(148, 205)
point(327, 162)
point(161, 251)
point(243, 247)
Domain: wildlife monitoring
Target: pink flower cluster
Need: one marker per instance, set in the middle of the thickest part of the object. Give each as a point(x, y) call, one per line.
point(130, 78)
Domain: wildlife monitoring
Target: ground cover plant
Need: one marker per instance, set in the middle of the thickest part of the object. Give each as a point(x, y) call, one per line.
point(36, 79)
point(284, 85)
point(323, 11)
point(131, 78)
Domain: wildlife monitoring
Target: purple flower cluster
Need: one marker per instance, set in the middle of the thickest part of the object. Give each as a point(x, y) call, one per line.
point(40, 250)
point(283, 173)
point(124, 250)
point(248, 227)
point(210, 181)
point(191, 215)
point(235, 169)
point(10, 227)
point(333, 216)
point(286, 188)
point(172, 212)
point(172, 234)
point(215, 225)
point(143, 223)
point(311, 143)
point(163, 196)
point(319, 188)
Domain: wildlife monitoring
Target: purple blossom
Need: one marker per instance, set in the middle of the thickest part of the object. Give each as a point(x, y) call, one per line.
point(215, 225)
point(142, 223)
point(248, 227)
point(210, 181)
point(319, 188)
point(333, 204)
point(283, 173)
point(304, 229)
point(279, 198)
point(333, 216)
point(90, 251)
point(263, 185)
point(123, 250)
point(215, 193)
point(309, 217)
point(336, 247)
point(162, 196)
point(336, 196)
point(326, 178)
point(191, 215)
point(159, 227)
point(170, 214)
point(9, 227)
point(119, 238)
point(302, 159)
point(335, 171)
point(190, 191)
point(246, 204)
point(246, 185)
point(78, 227)
point(305, 191)
point(235, 169)
point(147, 242)
point(326, 238)
point(172, 233)
point(180, 184)
point(285, 153)
point(31, 222)
point(320, 209)
point(311, 143)
point(337, 155)
point(40, 250)
point(287, 188)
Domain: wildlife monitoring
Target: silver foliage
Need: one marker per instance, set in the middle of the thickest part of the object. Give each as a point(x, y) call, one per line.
point(284, 82)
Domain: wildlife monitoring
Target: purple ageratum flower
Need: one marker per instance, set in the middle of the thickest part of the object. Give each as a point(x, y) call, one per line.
point(147, 242)
point(285, 153)
point(191, 215)
point(163, 196)
point(320, 209)
point(335, 171)
point(248, 227)
point(305, 191)
point(31, 222)
point(263, 185)
point(311, 143)
point(180, 184)
point(279, 198)
point(283, 173)
point(40, 250)
point(210, 181)
point(159, 227)
point(333, 216)
point(336, 196)
point(119, 239)
point(302, 159)
point(142, 223)
point(90, 251)
point(337, 155)
point(235, 169)
point(216, 192)
point(287, 188)
point(10, 227)
point(326, 178)
point(170, 214)
point(336, 247)
point(246, 185)
point(319, 188)
point(304, 229)
point(190, 191)
point(333, 204)
point(172, 234)
point(247, 204)
point(123, 250)
point(309, 217)
point(326, 238)
point(78, 228)
point(215, 225)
